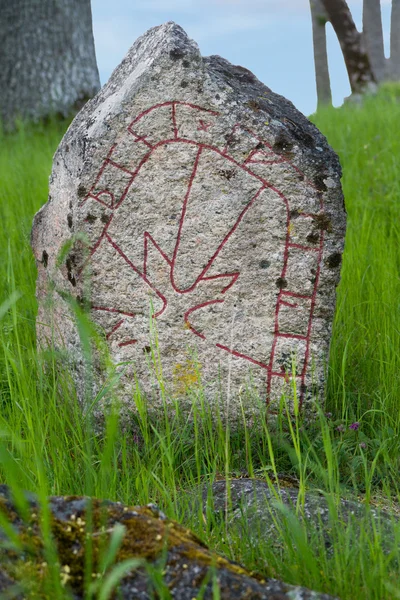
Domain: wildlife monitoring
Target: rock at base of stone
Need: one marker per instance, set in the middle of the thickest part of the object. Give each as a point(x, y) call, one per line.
point(252, 511)
point(186, 563)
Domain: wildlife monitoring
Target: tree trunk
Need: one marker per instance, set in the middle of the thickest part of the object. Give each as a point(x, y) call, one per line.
point(373, 37)
point(394, 62)
point(355, 55)
point(47, 58)
point(319, 18)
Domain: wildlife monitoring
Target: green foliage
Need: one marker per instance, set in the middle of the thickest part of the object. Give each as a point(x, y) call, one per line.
point(49, 447)
point(365, 352)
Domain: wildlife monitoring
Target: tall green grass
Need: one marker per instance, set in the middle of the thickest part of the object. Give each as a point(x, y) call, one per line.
point(48, 447)
point(365, 354)
point(364, 381)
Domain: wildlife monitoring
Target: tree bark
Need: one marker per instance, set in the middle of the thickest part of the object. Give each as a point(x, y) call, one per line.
point(47, 58)
point(319, 18)
point(394, 62)
point(373, 37)
point(355, 55)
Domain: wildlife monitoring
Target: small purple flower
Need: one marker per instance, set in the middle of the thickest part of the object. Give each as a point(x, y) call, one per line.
point(362, 445)
point(341, 428)
point(328, 415)
point(354, 426)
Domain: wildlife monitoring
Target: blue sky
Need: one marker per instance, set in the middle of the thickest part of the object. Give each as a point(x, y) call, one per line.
point(272, 38)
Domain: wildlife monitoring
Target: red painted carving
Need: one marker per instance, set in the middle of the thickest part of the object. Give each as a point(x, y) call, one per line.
point(262, 153)
point(114, 329)
point(203, 126)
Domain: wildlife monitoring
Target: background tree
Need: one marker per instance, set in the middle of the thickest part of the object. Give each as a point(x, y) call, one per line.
point(373, 37)
point(47, 57)
point(351, 41)
point(319, 19)
point(394, 60)
point(363, 53)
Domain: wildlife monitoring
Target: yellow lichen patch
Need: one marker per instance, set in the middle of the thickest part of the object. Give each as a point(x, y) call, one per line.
point(65, 574)
point(186, 376)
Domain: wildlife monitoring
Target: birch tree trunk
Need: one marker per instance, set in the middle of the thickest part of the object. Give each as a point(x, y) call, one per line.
point(319, 18)
point(373, 37)
point(394, 62)
point(47, 58)
point(355, 55)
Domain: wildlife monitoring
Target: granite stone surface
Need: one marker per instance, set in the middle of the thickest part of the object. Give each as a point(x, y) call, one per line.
point(200, 216)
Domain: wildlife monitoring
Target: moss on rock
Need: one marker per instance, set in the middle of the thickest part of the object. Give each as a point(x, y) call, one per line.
point(79, 523)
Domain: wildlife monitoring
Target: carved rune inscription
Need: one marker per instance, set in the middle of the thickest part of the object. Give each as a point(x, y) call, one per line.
point(184, 216)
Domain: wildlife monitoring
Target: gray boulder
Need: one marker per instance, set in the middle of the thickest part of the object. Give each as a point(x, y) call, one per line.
point(185, 562)
point(259, 510)
point(201, 217)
